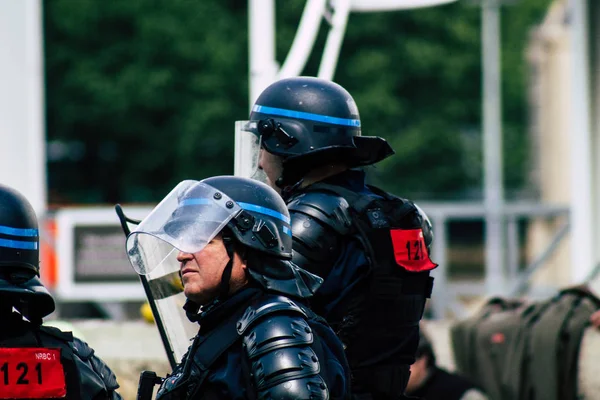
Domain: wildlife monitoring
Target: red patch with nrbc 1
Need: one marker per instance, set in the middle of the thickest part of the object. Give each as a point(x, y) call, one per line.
point(31, 373)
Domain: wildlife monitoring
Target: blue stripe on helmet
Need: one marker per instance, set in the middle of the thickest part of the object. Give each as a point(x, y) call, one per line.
point(7, 230)
point(18, 244)
point(304, 115)
point(265, 210)
point(287, 231)
point(195, 202)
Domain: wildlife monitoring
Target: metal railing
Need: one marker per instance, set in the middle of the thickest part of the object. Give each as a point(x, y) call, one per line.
point(515, 279)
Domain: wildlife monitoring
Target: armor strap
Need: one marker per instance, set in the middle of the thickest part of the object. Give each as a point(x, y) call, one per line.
point(215, 343)
point(202, 354)
point(198, 361)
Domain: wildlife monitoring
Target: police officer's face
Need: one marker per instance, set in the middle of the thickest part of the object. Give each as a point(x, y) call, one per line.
point(201, 272)
point(272, 165)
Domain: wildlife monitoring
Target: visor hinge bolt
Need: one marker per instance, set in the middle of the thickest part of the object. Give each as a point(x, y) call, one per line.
point(217, 196)
point(229, 204)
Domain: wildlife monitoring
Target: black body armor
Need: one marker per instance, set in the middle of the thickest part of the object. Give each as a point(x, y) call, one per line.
point(281, 355)
point(378, 321)
point(85, 376)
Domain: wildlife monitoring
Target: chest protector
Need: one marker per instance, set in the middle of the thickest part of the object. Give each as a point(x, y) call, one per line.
point(379, 320)
point(280, 355)
point(39, 363)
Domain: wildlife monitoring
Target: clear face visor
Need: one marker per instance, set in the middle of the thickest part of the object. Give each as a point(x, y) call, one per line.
point(186, 220)
point(247, 151)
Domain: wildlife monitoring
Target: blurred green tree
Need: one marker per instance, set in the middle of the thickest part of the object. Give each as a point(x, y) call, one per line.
point(143, 94)
point(150, 89)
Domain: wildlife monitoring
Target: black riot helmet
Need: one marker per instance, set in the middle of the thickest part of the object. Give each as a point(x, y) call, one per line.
point(248, 213)
point(310, 122)
point(264, 221)
point(19, 257)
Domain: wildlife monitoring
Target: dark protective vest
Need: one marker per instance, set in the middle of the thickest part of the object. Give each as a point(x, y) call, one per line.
point(379, 320)
point(442, 385)
point(43, 338)
point(85, 376)
point(281, 357)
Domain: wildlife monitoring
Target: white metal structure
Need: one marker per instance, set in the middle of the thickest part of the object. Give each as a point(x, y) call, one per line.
point(391, 5)
point(23, 160)
point(495, 281)
point(585, 178)
point(264, 68)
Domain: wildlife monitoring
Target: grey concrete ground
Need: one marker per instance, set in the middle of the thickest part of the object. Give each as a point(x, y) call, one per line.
point(127, 347)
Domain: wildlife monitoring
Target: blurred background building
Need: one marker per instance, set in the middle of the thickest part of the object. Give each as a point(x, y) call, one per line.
point(563, 57)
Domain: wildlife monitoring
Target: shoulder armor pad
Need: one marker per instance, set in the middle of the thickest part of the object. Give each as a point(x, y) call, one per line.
point(277, 340)
point(95, 375)
point(57, 333)
point(82, 349)
point(328, 208)
point(265, 306)
point(312, 388)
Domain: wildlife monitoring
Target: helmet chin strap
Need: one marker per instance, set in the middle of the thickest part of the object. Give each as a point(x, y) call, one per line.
point(287, 189)
point(226, 276)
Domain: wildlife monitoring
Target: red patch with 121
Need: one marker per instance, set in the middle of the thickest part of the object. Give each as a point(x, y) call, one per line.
point(31, 373)
point(410, 250)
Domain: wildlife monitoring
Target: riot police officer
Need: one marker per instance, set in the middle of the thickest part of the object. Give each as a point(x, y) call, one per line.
point(230, 240)
point(38, 362)
point(371, 248)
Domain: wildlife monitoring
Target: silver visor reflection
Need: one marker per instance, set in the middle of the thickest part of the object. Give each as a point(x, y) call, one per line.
point(185, 220)
point(247, 151)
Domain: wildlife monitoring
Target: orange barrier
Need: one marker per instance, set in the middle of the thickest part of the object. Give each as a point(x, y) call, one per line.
point(48, 258)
